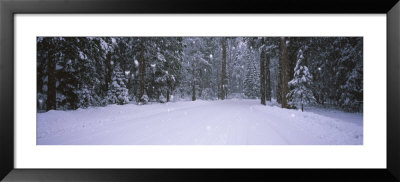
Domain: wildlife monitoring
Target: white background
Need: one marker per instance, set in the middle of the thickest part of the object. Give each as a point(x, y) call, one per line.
point(370, 155)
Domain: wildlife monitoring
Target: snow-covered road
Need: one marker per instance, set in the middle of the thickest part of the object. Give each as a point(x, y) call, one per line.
point(229, 122)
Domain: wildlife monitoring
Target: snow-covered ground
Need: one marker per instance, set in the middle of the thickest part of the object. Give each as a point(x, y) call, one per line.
point(229, 122)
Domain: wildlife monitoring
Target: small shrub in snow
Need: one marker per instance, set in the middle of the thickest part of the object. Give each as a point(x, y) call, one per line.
point(162, 99)
point(208, 94)
point(144, 99)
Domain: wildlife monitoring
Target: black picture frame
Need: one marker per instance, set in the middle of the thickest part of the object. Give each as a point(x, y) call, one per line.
point(8, 8)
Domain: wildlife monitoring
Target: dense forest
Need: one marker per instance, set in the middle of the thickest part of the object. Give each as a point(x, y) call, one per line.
point(78, 72)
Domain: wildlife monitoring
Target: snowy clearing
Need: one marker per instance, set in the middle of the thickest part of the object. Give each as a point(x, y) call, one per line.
point(229, 122)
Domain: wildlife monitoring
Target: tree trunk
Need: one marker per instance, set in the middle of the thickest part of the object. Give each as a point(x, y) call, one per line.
point(142, 68)
point(193, 91)
point(278, 88)
point(262, 73)
point(193, 84)
point(168, 94)
point(51, 84)
point(108, 71)
point(200, 83)
point(223, 73)
point(284, 67)
point(267, 80)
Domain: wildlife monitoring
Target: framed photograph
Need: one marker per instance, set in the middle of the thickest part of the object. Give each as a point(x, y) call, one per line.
point(133, 90)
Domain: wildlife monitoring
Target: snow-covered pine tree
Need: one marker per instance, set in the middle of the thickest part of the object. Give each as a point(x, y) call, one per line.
point(251, 82)
point(118, 93)
point(300, 92)
point(195, 61)
point(87, 72)
point(86, 97)
point(173, 53)
point(248, 81)
point(166, 67)
point(351, 68)
point(236, 64)
point(211, 77)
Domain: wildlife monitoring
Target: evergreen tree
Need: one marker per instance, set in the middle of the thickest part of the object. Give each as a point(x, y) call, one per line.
point(118, 93)
point(251, 82)
point(47, 60)
point(211, 72)
point(300, 92)
point(72, 71)
point(168, 65)
point(195, 61)
point(351, 69)
point(238, 57)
